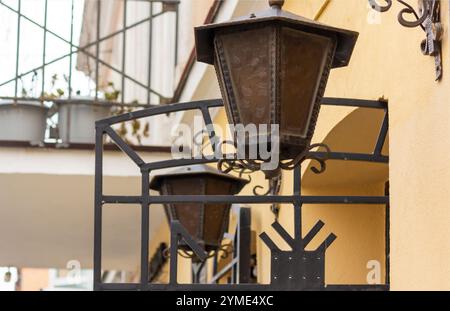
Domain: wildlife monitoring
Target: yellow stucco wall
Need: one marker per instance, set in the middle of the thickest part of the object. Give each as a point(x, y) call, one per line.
point(387, 62)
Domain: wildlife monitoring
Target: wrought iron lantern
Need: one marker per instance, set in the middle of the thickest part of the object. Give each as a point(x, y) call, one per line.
point(206, 223)
point(272, 68)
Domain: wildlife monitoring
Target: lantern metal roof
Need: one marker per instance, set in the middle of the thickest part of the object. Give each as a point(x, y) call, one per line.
point(193, 170)
point(346, 39)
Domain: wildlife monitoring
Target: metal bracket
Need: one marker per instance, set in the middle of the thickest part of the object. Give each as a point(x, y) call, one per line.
point(428, 18)
point(157, 262)
point(178, 232)
point(298, 269)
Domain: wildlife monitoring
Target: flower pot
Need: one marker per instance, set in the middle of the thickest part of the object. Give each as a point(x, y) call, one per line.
point(23, 121)
point(77, 120)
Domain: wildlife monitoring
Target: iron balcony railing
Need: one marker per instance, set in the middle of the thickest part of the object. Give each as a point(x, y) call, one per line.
point(284, 264)
point(92, 50)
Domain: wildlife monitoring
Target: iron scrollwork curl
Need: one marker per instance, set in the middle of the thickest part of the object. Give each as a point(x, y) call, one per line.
point(224, 250)
point(247, 166)
point(380, 8)
point(428, 17)
point(409, 10)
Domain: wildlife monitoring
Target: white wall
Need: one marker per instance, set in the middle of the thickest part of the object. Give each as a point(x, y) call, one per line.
point(47, 208)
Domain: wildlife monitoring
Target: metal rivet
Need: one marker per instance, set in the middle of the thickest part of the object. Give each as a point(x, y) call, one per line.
point(275, 277)
point(318, 277)
point(304, 277)
point(290, 258)
point(275, 258)
point(290, 277)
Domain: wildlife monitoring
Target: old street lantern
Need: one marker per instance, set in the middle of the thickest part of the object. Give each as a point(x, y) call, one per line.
point(206, 223)
point(273, 67)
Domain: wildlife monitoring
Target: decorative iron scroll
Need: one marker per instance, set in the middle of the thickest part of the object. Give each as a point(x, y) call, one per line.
point(296, 269)
point(428, 18)
point(243, 166)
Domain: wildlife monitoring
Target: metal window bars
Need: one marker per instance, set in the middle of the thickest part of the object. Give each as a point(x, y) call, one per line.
point(167, 6)
point(298, 269)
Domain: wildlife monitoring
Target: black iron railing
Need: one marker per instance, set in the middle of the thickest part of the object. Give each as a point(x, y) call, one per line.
point(298, 269)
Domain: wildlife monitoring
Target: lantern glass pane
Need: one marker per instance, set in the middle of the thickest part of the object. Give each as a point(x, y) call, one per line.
point(206, 223)
point(189, 214)
point(245, 61)
point(304, 56)
point(217, 215)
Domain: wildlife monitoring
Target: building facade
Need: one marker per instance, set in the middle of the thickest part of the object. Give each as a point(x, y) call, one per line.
point(404, 244)
point(387, 64)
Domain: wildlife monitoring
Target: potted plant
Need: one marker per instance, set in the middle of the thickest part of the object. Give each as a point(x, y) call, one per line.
point(136, 131)
point(23, 120)
point(77, 115)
